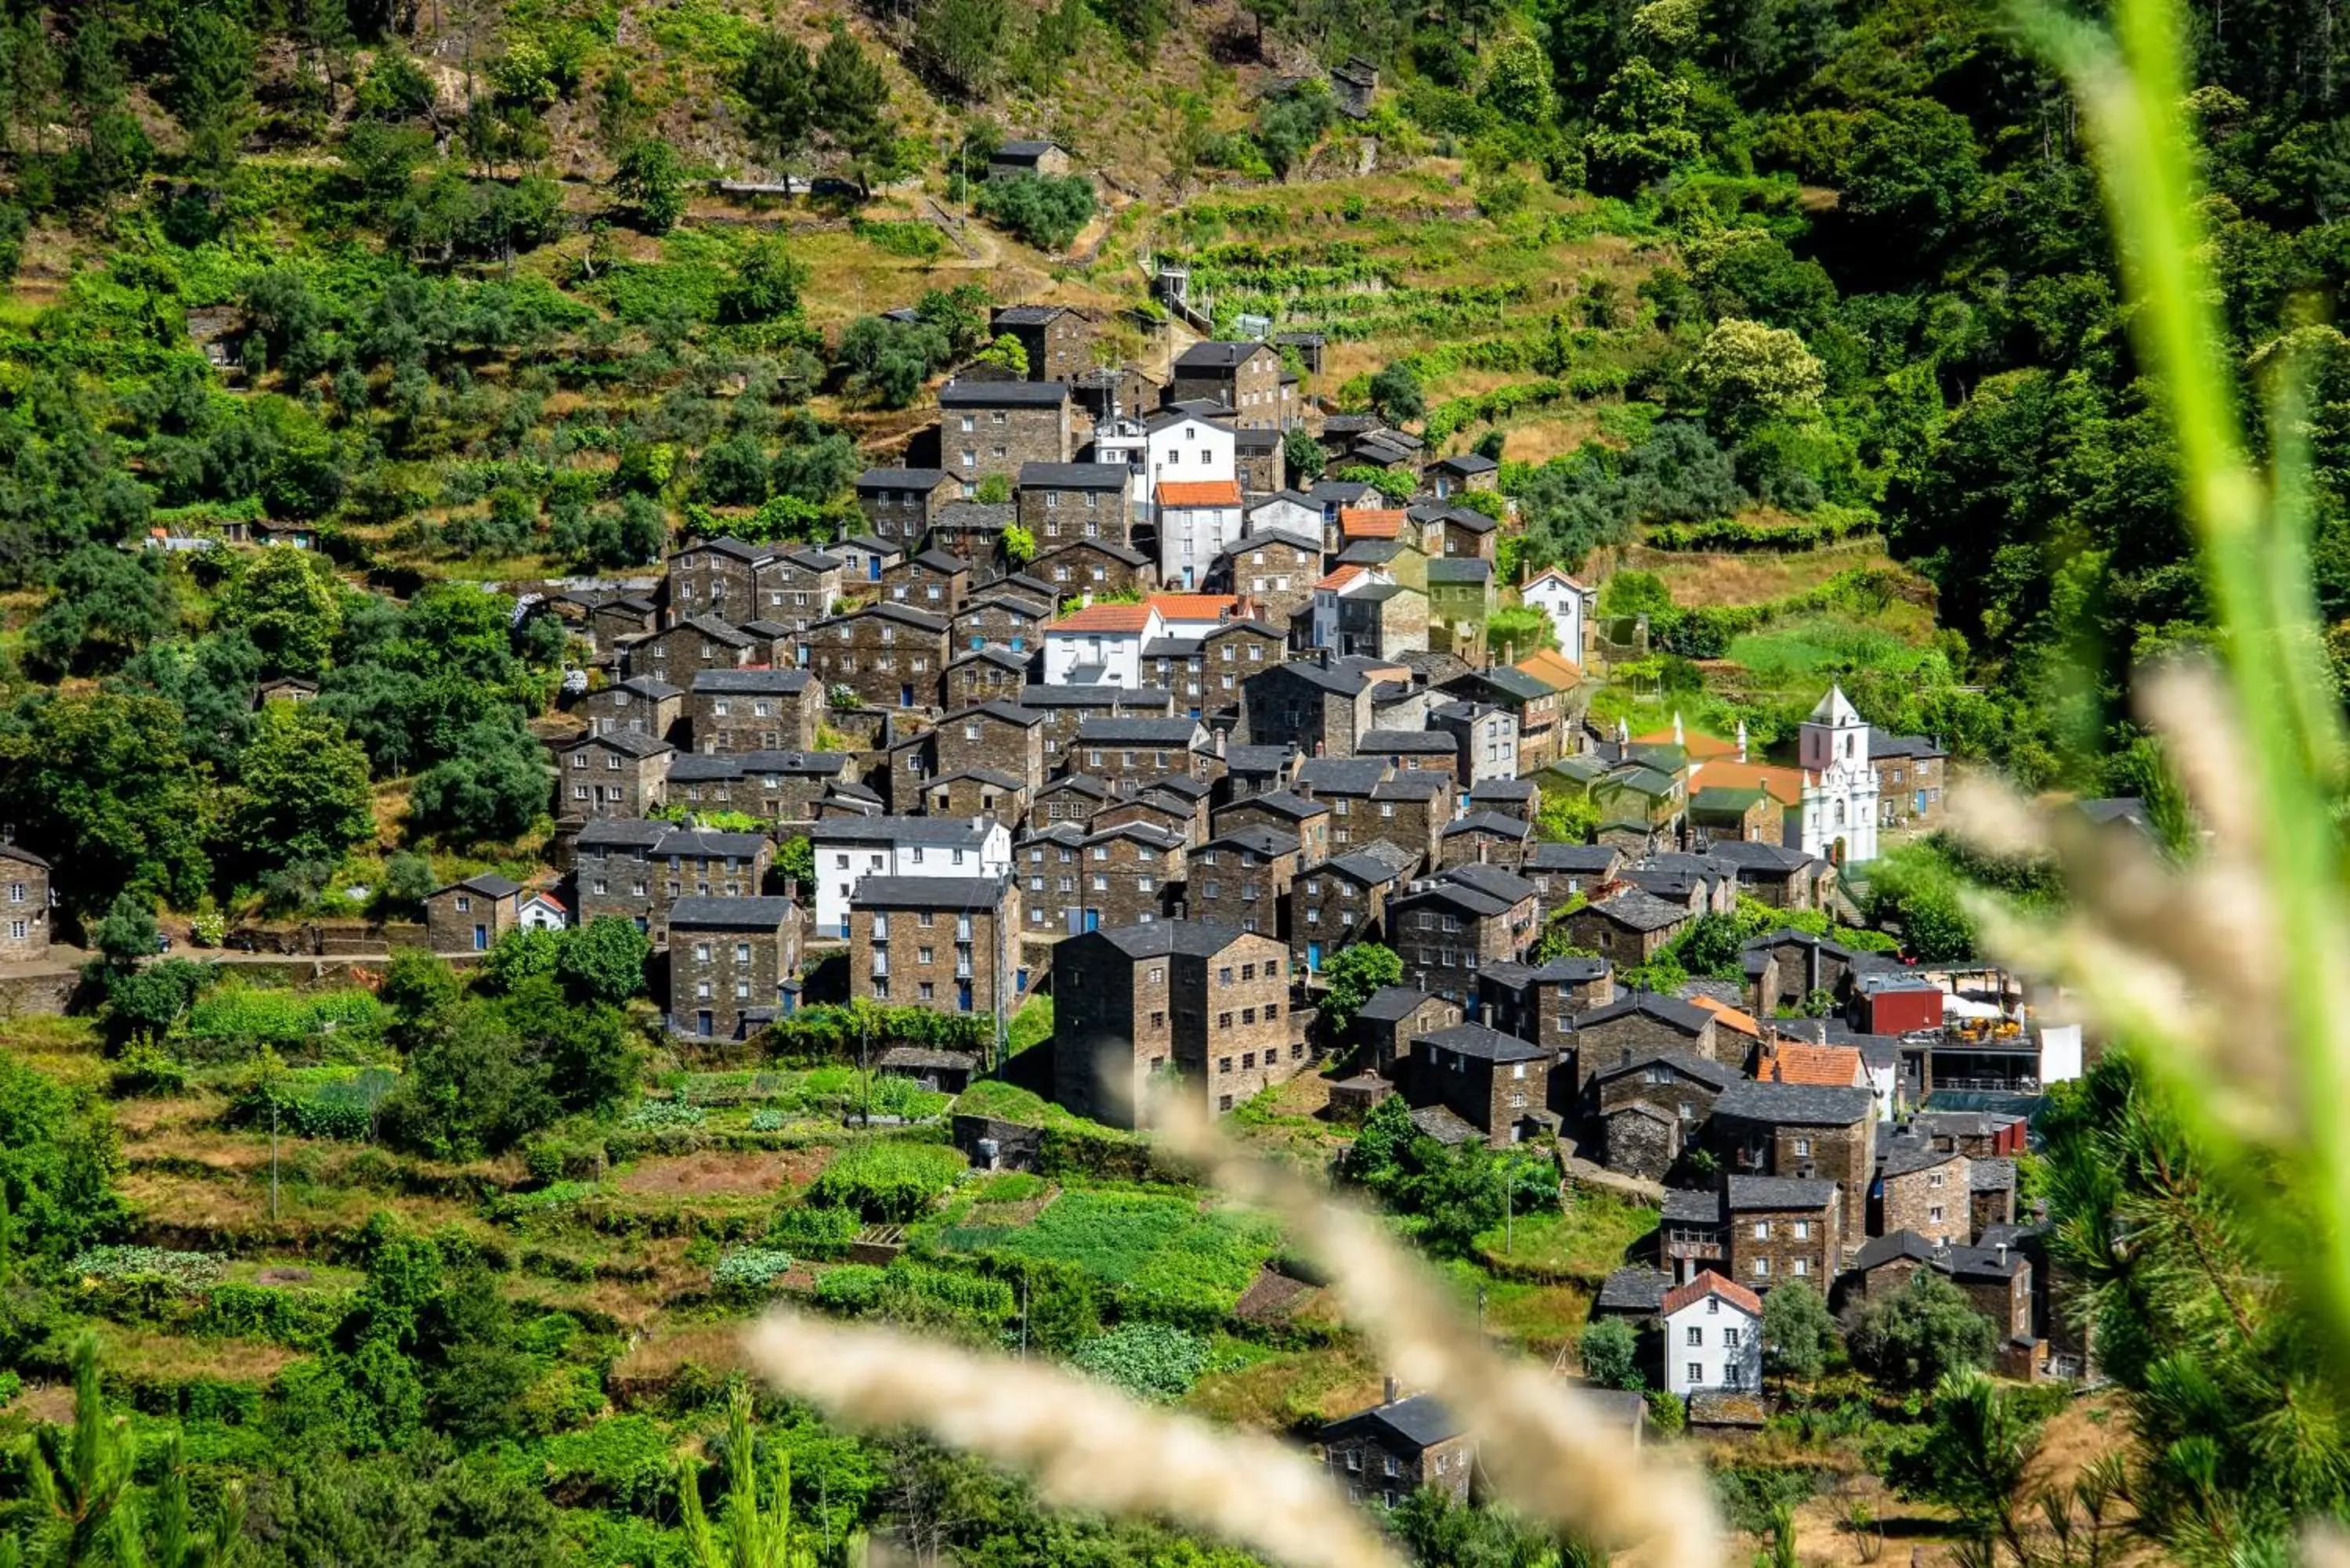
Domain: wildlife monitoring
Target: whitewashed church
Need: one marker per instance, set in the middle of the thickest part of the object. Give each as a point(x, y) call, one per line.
point(1839, 798)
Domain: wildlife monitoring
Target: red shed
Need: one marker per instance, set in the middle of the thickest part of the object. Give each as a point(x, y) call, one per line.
point(1898, 1004)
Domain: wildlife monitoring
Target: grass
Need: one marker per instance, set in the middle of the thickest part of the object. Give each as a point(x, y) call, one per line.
point(1585, 1242)
point(1033, 1025)
point(1748, 576)
point(1290, 1390)
point(1157, 1249)
point(1010, 1102)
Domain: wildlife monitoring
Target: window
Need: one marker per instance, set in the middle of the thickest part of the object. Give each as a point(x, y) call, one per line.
point(701, 952)
point(1224, 1063)
point(1803, 1148)
point(1696, 1372)
point(1803, 1229)
point(1694, 1338)
point(1803, 1267)
point(1934, 1215)
point(1762, 1230)
point(1762, 1268)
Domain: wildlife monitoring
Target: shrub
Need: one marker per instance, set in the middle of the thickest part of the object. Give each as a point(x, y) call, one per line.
point(889, 1182)
point(1148, 1360)
point(190, 1271)
point(1610, 1354)
point(767, 1119)
point(1046, 211)
point(814, 1231)
point(663, 1115)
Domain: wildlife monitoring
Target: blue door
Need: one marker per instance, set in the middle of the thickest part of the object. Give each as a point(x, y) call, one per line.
point(873, 570)
point(1022, 983)
point(905, 696)
point(702, 1024)
point(963, 996)
point(1314, 957)
point(1093, 920)
point(481, 938)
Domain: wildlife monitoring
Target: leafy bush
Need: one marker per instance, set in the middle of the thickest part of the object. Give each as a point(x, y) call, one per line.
point(237, 1019)
point(622, 1461)
point(908, 1290)
point(1148, 1360)
point(812, 1231)
point(749, 1268)
point(889, 1182)
point(664, 1115)
point(1044, 210)
point(190, 1271)
point(1161, 1256)
point(768, 1119)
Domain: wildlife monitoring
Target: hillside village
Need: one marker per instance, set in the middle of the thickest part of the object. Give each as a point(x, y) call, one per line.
point(964, 676)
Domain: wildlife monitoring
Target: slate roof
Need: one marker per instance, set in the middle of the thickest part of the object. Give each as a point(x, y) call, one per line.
point(1635, 1289)
point(1392, 1004)
point(1075, 475)
point(1216, 354)
point(1692, 1205)
point(1159, 938)
point(1256, 759)
point(630, 742)
point(1339, 775)
point(1363, 867)
point(1282, 802)
point(1747, 1192)
point(621, 832)
point(1490, 822)
point(1641, 910)
point(1002, 394)
point(929, 892)
point(764, 914)
point(1811, 1105)
point(1485, 1044)
point(1139, 731)
point(1648, 1004)
point(900, 478)
point(1407, 742)
point(1461, 569)
point(751, 682)
point(1492, 881)
point(1593, 859)
point(489, 884)
point(1419, 1421)
point(942, 832)
point(1704, 1069)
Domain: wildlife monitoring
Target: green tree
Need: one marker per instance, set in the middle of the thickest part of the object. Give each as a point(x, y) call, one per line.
point(302, 790)
point(852, 107)
point(651, 179)
point(1306, 460)
point(1640, 136)
point(1513, 631)
point(1396, 395)
point(1352, 974)
point(491, 787)
point(1019, 546)
point(1978, 1444)
point(1046, 211)
point(1006, 353)
point(211, 85)
point(1750, 371)
point(766, 285)
point(102, 782)
point(1517, 79)
point(1917, 1336)
point(109, 606)
point(963, 43)
point(620, 115)
point(58, 1160)
point(1610, 1353)
point(777, 82)
point(291, 604)
point(604, 961)
point(1797, 1331)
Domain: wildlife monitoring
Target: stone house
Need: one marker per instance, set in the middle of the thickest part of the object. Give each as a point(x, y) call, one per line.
point(1410, 809)
point(1783, 1228)
point(1247, 379)
point(1451, 476)
point(1801, 1130)
point(1650, 1107)
point(1385, 1454)
point(933, 582)
point(618, 619)
point(1131, 752)
point(1258, 459)
point(1485, 838)
point(1179, 805)
point(1382, 620)
point(1276, 569)
point(1912, 778)
point(1067, 709)
point(1285, 812)
point(1519, 798)
point(984, 675)
point(1724, 812)
point(1496, 1083)
point(899, 503)
point(1460, 601)
point(642, 703)
point(1341, 901)
point(1343, 783)
point(1318, 706)
point(1444, 927)
point(783, 787)
point(1072, 798)
point(993, 427)
point(1781, 878)
point(1395, 1016)
point(863, 559)
point(1207, 1002)
point(752, 711)
point(1079, 881)
point(1241, 880)
point(1061, 504)
point(1540, 1004)
point(945, 942)
point(1097, 566)
point(1926, 1189)
point(976, 791)
point(635, 871)
point(464, 917)
point(1629, 927)
point(1047, 160)
point(1234, 651)
point(797, 588)
point(1255, 770)
point(889, 655)
point(1639, 1024)
point(1997, 1280)
point(620, 774)
point(732, 964)
point(699, 642)
point(1538, 706)
point(973, 532)
point(1008, 622)
point(1786, 966)
point(717, 579)
point(1057, 338)
point(1000, 737)
point(24, 930)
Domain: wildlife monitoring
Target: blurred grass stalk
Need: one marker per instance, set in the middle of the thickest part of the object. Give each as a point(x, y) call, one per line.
point(2279, 722)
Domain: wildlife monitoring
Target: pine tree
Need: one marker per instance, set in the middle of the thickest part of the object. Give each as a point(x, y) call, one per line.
point(852, 107)
point(777, 81)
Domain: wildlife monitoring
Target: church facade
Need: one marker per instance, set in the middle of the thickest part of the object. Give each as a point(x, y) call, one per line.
point(1839, 792)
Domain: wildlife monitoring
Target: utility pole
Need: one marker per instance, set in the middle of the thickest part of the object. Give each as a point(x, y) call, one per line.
point(272, 1153)
point(999, 1048)
point(1023, 1315)
point(1509, 1214)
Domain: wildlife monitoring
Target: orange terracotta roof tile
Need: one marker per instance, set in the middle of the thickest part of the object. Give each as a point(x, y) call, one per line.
point(1744, 1023)
point(1370, 523)
point(1784, 786)
point(1554, 667)
point(1828, 1066)
point(1700, 747)
point(1341, 576)
point(1710, 1283)
point(1105, 617)
point(1192, 607)
point(1199, 492)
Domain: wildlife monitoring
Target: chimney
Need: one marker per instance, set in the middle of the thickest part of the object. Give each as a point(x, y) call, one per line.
point(1389, 1389)
point(1679, 739)
point(2002, 1254)
point(791, 889)
point(1741, 740)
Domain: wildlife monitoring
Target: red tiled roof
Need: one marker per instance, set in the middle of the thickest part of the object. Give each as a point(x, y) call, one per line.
point(1830, 1067)
point(1199, 492)
point(1784, 786)
point(1744, 1022)
point(1370, 523)
point(1710, 1283)
point(1700, 747)
point(1192, 607)
point(1341, 576)
point(1105, 617)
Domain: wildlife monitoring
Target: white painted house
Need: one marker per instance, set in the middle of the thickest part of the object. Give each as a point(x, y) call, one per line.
point(1101, 645)
point(1287, 512)
point(1188, 448)
point(1198, 520)
point(538, 910)
point(851, 848)
point(1568, 604)
point(1713, 1336)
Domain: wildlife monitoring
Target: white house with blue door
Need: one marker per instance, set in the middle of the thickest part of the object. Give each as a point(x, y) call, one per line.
point(851, 848)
